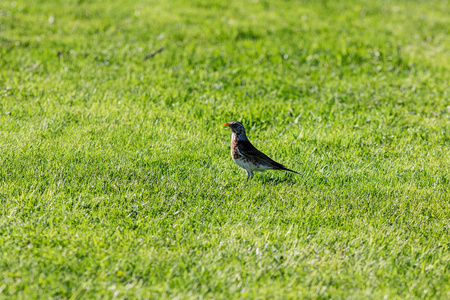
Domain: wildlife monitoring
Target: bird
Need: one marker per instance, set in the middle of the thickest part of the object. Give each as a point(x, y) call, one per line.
point(246, 156)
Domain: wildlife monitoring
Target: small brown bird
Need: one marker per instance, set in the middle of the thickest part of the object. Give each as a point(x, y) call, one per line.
point(246, 156)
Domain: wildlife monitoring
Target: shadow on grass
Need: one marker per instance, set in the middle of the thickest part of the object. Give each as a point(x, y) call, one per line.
point(279, 180)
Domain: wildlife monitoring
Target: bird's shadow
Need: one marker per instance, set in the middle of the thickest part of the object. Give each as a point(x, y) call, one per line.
point(278, 180)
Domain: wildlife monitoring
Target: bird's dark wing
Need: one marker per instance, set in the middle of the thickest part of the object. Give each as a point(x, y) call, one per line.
point(249, 151)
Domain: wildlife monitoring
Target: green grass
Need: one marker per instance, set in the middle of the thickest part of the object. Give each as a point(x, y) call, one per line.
point(115, 173)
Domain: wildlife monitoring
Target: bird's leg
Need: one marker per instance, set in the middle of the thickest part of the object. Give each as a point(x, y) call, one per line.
point(249, 175)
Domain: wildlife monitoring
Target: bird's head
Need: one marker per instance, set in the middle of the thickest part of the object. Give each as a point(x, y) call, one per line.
point(236, 127)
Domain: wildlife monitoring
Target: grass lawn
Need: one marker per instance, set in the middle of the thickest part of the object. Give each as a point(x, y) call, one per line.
point(115, 172)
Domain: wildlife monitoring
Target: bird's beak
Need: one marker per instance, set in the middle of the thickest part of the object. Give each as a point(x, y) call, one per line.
point(226, 124)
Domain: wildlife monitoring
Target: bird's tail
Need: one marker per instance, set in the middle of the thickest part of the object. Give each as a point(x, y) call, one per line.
point(281, 167)
point(286, 169)
point(278, 166)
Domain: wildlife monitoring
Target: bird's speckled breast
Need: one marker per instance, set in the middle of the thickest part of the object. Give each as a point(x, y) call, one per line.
point(234, 151)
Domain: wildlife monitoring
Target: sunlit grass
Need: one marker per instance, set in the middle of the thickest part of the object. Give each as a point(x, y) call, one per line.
point(115, 173)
